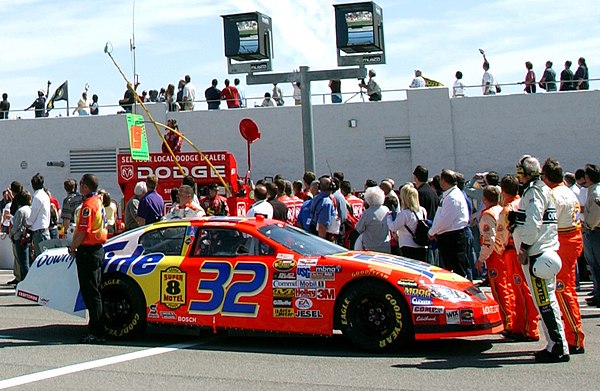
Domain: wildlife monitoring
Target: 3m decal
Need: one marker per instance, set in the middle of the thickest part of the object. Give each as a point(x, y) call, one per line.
point(225, 294)
point(172, 287)
point(326, 294)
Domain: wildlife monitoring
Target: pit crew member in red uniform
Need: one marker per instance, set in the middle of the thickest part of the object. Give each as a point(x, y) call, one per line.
point(496, 270)
point(214, 204)
point(536, 241)
point(90, 234)
point(524, 313)
point(571, 246)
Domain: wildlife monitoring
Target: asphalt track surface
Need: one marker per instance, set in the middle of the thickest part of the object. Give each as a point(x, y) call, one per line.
point(39, 351)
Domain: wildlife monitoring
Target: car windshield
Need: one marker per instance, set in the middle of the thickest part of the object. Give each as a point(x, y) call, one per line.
point(300, 241)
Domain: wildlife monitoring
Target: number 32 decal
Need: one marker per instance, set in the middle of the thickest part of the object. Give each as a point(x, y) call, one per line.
point(224, 295)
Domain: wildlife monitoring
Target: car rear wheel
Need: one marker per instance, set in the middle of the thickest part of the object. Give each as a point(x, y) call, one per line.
point(374, 317)
point(124, 307)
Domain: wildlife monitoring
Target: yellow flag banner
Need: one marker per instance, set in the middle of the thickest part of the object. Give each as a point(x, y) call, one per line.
point(432, 83)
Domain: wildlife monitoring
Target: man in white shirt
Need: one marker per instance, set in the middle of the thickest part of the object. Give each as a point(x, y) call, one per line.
point(418, 81)
point(189, 93)
point(186, 208)
point(458, 90)
point(488, 84)
point(39, 219)
point(449, 223)
point(261, 206)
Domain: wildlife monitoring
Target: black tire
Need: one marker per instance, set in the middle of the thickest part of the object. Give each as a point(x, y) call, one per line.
point(375, 317)
point(124, 307)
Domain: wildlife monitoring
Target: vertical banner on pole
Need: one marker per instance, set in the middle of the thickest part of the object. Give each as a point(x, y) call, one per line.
point(138, 142)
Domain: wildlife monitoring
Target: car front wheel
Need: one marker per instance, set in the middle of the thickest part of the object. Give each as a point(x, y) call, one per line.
point(374, 317)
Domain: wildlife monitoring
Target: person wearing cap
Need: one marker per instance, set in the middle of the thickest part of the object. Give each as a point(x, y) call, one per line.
point(39, 105)
point(214, 204)
point(418, 81)
point(373, 89)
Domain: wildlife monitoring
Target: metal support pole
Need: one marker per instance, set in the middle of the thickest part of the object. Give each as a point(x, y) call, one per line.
point(307, 121)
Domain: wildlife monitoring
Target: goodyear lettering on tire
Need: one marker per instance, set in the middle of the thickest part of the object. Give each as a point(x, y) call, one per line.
point(398, 328)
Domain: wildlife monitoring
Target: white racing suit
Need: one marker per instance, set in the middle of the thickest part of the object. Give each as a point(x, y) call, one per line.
point(536, 232)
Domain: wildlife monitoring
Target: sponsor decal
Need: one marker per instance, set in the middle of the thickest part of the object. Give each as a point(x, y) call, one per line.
point(419, 268)
point(326, 294)
point(283, 312)
point(172, 287)
point(282, 303)
point(303, 273)
point(560, 286)
point(310, 284)
point(137, 263)
point(85, 213)
point(407, 283)
point(304, 304)
point(467, 316)
point(417, 292)
point(49, 260)
point(168, 315)
point(428, 310)
point(306, 293)
point(284, 284)
point(284, 264)
point(448, 294)
point(187, 319)
point(371, 272)
point(493, 273)
point(284, 276)
point(28, 296)
point(540, 291)
point(432, 319)
point(420, 301)
point(328, 269)
point(153, 314)
point(308, 314)
point(452, 316)
point(322, 276)
point(492, 309)
point(283, 293)
point(517, 279)
point(308, 262)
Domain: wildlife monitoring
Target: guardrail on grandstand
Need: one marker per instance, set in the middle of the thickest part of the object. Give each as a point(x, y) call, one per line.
point(355, 96)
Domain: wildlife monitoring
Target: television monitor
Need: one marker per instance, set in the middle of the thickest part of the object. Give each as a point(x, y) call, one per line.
point(359, 27)
point(247, 36)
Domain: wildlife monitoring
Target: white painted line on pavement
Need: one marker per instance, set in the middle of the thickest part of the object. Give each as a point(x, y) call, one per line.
point(34, 377)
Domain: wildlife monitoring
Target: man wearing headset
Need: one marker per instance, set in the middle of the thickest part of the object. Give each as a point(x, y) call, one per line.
point(536, 241)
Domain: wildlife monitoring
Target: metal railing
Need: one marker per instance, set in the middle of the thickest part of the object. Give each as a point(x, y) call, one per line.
point(254, 102)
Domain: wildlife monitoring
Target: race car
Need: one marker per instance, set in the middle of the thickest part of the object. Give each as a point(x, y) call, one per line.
point(265, 275)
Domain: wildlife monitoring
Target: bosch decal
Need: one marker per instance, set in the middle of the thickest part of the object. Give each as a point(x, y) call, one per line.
point(187, 319)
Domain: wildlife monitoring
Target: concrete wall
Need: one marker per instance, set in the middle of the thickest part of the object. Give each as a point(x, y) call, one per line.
point(469, 134)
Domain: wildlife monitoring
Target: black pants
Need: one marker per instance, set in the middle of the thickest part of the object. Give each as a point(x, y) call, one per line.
point(451, 246)
point(88, 260)
point(420, 254)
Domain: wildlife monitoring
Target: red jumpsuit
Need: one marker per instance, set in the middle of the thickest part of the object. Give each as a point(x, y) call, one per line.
point(525, 316)
point(571, 245)
point(496, 270)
